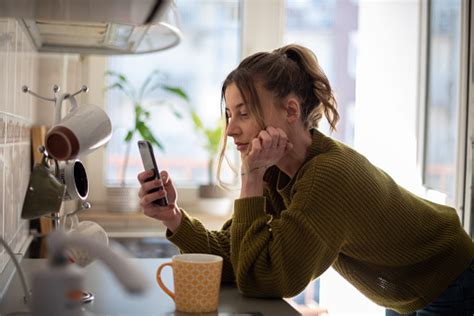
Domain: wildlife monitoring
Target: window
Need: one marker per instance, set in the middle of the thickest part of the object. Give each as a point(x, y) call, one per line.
point(208, 52)
point(329, 29)
point(443, 97)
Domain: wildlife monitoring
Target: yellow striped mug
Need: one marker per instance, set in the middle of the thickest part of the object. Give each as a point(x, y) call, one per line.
point(197, 279)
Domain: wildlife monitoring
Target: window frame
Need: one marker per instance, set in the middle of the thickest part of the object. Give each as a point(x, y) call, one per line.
point(462, 182)
point(257, 22)
point(467, 33)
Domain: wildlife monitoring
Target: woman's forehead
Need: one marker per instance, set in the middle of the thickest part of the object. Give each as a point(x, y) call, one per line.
point(233, 97)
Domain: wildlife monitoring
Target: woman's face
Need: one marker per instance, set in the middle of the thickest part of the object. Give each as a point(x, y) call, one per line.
point(243, 127)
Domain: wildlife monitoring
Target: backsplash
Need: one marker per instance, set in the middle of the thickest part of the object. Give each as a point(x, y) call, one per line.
point(18, 67)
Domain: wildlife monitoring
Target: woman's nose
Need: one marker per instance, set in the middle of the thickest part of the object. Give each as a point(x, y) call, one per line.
point(232, 129)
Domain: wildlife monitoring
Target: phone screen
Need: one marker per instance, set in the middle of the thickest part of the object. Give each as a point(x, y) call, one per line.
point(149, 163)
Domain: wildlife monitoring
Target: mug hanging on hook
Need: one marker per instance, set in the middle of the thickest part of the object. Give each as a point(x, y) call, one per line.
point(84, 129)
point(45, 192)
point(73, 174)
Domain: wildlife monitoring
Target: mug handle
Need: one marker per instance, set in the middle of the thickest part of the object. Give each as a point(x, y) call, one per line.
point(160, 282)
point(59, 103)
point(74, 222)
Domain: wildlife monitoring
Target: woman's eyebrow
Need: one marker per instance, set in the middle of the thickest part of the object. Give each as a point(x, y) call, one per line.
point(238, 106)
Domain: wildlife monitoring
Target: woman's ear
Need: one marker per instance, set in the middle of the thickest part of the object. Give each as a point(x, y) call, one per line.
point(293, 110)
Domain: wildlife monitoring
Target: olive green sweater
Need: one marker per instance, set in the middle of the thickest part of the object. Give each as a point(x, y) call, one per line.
point(339, 210)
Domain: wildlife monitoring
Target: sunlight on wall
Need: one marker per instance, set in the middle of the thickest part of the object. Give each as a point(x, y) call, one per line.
point(387, 88)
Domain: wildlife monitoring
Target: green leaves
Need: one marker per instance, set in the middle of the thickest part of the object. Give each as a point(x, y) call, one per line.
point(146, 134)
point(213, 135)
point(176, 91)
point(136, 95)
point(197, 121)
point(152, 83)
point(129, 136)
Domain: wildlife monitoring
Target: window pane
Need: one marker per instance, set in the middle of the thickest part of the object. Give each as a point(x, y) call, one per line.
point(208, 52)
point(443, 96)
point(329, 29)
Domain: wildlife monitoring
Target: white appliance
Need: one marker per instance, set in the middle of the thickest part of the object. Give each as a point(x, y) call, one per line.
point(108, 27)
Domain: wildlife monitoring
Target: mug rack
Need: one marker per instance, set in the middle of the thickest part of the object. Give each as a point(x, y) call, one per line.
point(57, 100)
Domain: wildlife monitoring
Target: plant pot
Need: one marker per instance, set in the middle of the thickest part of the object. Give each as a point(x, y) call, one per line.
point(211, 191)
point(123, 199)
point(214, 200)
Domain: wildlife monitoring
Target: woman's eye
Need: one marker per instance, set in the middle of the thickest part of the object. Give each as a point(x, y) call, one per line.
point(244, 114)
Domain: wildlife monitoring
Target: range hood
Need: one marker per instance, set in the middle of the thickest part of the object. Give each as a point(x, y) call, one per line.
point(108, 27)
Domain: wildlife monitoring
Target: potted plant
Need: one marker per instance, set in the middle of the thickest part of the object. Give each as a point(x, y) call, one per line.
point(123, 198)
point(212, 138)
point(212, 198)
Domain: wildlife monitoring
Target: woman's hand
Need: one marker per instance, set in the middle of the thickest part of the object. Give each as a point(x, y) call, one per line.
point(170, 215)
point(265, 150)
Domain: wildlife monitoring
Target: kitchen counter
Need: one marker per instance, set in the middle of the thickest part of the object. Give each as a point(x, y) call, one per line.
point(137, 224)
point(112, 299)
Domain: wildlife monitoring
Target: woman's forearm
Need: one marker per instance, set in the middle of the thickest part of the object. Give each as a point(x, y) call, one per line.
point(252, 184)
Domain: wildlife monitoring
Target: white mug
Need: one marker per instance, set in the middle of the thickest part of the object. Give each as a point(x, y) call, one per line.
point(73, 174)
point(90, 229)
point(84, 129)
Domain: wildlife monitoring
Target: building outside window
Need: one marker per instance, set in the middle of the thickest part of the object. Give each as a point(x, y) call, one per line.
point(329, 29)
point(443, 97)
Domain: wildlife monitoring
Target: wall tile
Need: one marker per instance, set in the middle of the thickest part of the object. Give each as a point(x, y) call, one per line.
point(2, 186)
point(4, 40)
point(18, 65)
point(11, 66)
point(8, 194)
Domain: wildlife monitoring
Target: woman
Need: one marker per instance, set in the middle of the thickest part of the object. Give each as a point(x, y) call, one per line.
point(308, 202)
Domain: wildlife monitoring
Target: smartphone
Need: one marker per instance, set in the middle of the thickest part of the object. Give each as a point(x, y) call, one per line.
point(149, 163)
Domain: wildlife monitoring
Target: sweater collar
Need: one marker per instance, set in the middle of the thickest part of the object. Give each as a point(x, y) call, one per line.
point(316, 145)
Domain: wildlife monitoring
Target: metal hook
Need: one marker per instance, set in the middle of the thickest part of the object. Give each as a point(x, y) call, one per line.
point(25, 89)
point(84, 206)
point(84, 88)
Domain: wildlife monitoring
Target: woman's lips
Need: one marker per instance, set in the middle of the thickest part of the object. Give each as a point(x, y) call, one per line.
point(241, 147)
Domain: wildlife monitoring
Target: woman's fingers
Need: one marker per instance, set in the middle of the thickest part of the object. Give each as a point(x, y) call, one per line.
point(272, 138)
point(149, 198)
point(148, 186)
point(268, 141)
point(274, 135)
point(265, 139)
point(143, 176)
point(165, 178)
point(256, 147)
point(282, 138)
point(267, 148)
point(156, 183)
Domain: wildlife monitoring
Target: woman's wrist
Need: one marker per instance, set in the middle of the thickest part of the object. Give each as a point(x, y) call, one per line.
point(174, 223)
point(258, 169)
point(252, 184)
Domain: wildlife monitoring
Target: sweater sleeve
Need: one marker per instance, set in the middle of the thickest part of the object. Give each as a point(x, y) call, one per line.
point(192, 237)
point(278, 257)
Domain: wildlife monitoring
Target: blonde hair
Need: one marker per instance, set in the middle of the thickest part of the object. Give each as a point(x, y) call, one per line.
point(289, 69)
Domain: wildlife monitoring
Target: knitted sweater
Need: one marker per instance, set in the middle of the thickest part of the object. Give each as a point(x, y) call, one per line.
point(339, 210)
